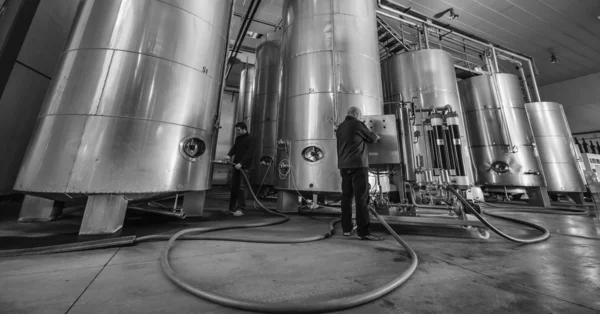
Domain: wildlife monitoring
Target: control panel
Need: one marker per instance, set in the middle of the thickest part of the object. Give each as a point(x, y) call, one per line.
point(387, 151)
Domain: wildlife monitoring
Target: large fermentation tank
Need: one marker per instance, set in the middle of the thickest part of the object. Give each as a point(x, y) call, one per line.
point(500, 135)
point(246, 99)
point(330, 62)
point(267, 92)
point(428, 78)
point(133, 106)
point(555, 144)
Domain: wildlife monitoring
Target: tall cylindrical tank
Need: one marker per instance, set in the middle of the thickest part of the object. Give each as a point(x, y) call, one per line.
point(267, 92)
point(428, 76)
point(133, 106)
point(500, 135)
point(330, 62)
point(246, 99)
point(555, 144)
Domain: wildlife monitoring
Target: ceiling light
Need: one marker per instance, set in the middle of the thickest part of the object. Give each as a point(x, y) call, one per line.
point(451, 16)
point(553, 59)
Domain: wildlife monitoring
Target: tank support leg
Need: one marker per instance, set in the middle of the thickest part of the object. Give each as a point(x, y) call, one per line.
point(577, 197)
point(538, 196)
point(193, 203)
point(287, 202)
point(104, 214)
point(39, 209)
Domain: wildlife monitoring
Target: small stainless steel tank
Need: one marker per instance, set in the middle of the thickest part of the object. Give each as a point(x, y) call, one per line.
point(246, 98)
point(330, 62)
point(133, 106)
point(428, 76)
point(267, 93)
point(554, 141)
point(500, 135)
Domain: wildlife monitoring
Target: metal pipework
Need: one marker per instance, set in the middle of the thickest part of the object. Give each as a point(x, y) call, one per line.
point(529, 60)
point(406, 143)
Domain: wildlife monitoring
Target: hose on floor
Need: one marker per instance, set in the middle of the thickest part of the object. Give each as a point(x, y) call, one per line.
point(522, 208)
point(544, 236)
point(283, 307)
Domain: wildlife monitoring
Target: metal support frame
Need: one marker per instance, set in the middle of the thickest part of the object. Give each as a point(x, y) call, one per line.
point(416, 20)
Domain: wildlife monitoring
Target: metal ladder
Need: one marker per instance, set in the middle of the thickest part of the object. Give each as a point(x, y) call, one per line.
point(390, 43)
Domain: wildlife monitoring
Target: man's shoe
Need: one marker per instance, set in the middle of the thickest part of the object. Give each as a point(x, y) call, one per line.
point(237, 213)
point(347, 234)
point(370, 237)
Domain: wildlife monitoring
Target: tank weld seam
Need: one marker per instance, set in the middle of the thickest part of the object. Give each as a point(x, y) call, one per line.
point(125, 117)
point(332, 92)
point(328, 13)
point(182, 9)
point(145, 54)
point(331, 50)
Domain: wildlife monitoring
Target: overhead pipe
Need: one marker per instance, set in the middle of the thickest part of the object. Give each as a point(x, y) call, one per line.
point(243, 30)
point(529, 60)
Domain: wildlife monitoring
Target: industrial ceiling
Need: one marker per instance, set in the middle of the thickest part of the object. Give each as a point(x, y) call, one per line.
point(569, 29)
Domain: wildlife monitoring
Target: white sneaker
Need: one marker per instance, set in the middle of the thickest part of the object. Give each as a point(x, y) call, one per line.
point(238, 213)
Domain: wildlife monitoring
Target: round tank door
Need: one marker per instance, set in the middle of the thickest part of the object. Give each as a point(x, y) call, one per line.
point(191, 148)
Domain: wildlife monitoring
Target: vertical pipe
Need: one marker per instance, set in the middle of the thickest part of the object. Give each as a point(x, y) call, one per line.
point(534, 82)
point(495, 59)
point(525, 85)
point(426, 36)
point(405, 138)
point(419, 39)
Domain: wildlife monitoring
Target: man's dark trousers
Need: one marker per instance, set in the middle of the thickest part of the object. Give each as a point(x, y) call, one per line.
point(355, 182)
point(238, 190)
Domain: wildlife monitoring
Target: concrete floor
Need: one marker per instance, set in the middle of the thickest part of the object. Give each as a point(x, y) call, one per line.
point(457, 272)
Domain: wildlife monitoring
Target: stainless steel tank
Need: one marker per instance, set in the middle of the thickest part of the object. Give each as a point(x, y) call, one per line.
point(133, 106)
point(246, 98)
point(330, 62)
point(428, 76)
point(500, 135)
point(267, 92)
point(555, 144)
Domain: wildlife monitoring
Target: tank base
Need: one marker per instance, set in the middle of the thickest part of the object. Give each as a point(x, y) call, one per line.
point(39, 209)
point(538, 196)
point(287, 202)
point(193, 203)
point(577, 197)
point(104, 214)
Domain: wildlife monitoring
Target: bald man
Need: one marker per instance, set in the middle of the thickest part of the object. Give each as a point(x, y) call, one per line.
point(352, 138)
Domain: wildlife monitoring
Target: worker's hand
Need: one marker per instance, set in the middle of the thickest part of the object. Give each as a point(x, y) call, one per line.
point(378, 138)
point(238, 166)
point(225, 158)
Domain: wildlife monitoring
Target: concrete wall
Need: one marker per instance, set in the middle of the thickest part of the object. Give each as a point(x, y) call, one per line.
point(580, 98)
point(26, 88)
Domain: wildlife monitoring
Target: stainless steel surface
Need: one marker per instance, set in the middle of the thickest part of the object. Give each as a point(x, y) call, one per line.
point(246, 98)
point(555, 144)
point(137, 80)
point(486, 116)
point(429, 76)
point(387, 151)
point(330, 62)
point(226, 136)
point(267, 93)
point(27, 85)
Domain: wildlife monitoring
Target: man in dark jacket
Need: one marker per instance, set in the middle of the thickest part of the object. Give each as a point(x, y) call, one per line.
point(243, 153)
point(352, 138)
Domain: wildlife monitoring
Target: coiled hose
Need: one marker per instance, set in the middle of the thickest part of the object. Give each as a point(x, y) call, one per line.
point(283, 307)
point(543, 237)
